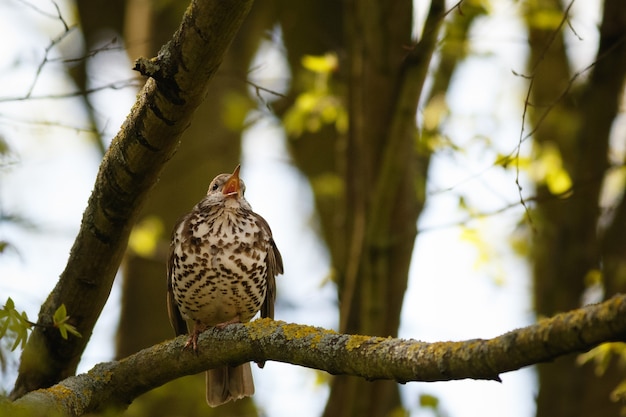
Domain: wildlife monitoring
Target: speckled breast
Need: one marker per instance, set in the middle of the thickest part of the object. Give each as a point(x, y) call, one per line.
point(219, 266)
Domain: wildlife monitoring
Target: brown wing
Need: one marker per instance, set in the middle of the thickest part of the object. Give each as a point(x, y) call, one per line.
point(274, 267)
point(176, 318)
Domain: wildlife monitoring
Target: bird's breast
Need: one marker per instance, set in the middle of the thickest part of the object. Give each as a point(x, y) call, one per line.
point(219, 267)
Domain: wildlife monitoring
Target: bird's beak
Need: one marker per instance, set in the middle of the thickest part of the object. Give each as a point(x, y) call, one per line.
point(232, 185)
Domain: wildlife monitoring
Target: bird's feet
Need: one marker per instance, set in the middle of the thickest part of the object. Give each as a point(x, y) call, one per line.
point(193, 337)
point(192, 341)
point(199, 328)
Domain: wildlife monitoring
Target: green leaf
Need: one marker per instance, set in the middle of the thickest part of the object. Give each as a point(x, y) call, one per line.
point(5, 325)
point(60, 320)
point(145, 236)
point(429, 401)
point(14, 324)
point(71, 329)
point(321, 63)
point(63, 331)
point(21, 336)
point(60, 315)
point(548, 168)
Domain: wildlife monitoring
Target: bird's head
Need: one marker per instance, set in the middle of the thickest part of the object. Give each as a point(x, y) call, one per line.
point(226, 188)
point(234, 186)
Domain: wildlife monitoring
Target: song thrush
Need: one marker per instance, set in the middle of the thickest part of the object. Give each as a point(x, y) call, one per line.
point(221, 270)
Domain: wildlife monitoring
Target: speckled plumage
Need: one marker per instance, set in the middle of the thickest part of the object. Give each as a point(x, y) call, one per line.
point(221, 270)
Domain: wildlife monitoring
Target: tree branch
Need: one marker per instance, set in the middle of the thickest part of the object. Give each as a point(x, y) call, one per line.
point(116, 384)
point(146, 141)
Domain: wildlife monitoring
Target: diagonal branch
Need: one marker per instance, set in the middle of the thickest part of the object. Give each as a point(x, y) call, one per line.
point(116, 384)
point(148, 138)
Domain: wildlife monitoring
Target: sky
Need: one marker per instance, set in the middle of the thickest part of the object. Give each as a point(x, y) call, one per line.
point(50, 171)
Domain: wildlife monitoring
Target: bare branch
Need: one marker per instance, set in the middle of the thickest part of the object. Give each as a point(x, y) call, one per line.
point(45, 59)
point(116, 85)
point(523, 137)
point(57, 16)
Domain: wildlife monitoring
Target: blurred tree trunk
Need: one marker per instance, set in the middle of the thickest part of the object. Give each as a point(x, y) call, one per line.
point(568, 233)
point(96, 18)
point(370, 239)
point(372, 276)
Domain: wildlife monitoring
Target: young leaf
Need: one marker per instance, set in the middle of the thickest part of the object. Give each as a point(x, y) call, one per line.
point(60, 320)
point(14, 324)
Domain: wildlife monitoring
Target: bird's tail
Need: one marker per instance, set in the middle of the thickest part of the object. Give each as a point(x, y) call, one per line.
point(227, 383)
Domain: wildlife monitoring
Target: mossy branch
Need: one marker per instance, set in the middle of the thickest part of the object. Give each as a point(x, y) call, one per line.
point(116, 384)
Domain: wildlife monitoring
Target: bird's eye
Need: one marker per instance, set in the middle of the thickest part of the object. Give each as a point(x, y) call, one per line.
point(215, 187)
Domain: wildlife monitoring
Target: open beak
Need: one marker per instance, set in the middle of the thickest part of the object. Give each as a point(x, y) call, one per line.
point(232, 185)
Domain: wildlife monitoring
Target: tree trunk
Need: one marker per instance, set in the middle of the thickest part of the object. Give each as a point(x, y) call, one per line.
point(370, 240)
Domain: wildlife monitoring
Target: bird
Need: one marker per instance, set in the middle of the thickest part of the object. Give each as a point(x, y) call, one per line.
point(221, 269)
